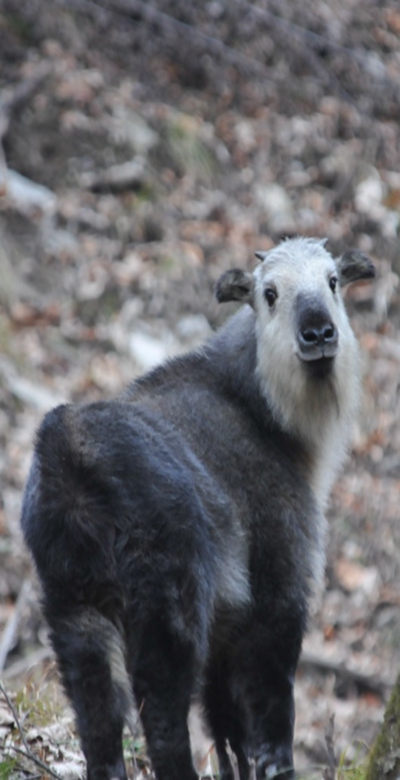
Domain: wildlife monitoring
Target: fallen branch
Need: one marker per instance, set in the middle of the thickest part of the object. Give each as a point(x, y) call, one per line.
point(23, 666)
point(11, 100)
point(15, 97)
point(11, 625)
point(369, 681)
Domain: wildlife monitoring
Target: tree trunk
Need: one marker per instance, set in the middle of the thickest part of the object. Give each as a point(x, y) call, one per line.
point(384, 761)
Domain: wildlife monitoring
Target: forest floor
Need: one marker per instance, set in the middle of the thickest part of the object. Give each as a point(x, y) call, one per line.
point(142, 158)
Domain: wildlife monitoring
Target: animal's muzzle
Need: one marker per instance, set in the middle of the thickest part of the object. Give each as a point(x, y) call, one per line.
point(317, 336)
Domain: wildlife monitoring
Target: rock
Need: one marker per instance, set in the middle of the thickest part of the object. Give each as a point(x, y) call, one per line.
point(146, 350)
point(369, 194)
point(127, 126)
point(369, 198)
point(352, 576)
point(127, 175)
point(275, 201)
point(193, 329)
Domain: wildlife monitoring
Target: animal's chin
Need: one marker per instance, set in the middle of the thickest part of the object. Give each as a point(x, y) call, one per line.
point(319, 367)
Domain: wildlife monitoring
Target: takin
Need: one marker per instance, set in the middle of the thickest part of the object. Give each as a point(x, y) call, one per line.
point(178, 531)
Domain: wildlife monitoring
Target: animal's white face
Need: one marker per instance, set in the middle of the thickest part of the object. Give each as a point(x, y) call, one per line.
point(302, 326)
point(308, 361)
point(307, 355)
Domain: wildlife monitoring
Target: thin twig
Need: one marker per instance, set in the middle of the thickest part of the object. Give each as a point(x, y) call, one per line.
point(15, 716)
point(299, 35)
point(31, 757)
point(329, 772)
point(27, 752)
point(307, 41)
point(150, 15)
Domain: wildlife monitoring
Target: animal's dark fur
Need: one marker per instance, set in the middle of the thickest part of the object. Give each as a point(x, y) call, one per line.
point(174, 532)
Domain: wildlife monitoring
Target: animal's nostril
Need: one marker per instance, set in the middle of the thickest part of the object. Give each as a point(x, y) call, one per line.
point(310, 336)
point(329, 333)
point(324, 334)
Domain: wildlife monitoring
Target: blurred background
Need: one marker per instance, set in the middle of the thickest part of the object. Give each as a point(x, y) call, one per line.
point(146, 147)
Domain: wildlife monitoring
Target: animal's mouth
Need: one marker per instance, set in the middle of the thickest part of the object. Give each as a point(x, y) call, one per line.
point(317, 338)
point(313, 352)
point(319, 363)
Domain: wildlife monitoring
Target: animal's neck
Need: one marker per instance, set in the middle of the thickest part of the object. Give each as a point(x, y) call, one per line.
point(318, 412)
point(327, 457)
point(316, 415)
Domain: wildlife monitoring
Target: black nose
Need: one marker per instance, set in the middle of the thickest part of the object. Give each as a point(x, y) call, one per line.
point(317, 335)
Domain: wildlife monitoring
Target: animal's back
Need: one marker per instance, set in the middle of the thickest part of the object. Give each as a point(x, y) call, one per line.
point(177, 445)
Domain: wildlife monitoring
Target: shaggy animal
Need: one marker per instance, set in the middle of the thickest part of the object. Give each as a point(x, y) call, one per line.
point(178, 531)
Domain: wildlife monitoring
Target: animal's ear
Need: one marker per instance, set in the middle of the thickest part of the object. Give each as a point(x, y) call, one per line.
point(354, 265)
point(235, 285)
point(261, 255)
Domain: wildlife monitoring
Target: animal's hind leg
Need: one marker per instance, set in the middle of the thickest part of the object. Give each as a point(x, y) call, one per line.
point(89, 650)
point(163, 682)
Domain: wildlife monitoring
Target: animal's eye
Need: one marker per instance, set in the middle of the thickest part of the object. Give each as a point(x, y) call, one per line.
point(270, 296)
point(333, 283)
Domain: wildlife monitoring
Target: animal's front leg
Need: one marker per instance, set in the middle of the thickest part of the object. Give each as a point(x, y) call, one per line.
point(225, 719)
point(265, 665)
point(273, 723)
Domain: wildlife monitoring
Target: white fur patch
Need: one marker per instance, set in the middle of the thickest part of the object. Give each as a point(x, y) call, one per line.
point(320, 413)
